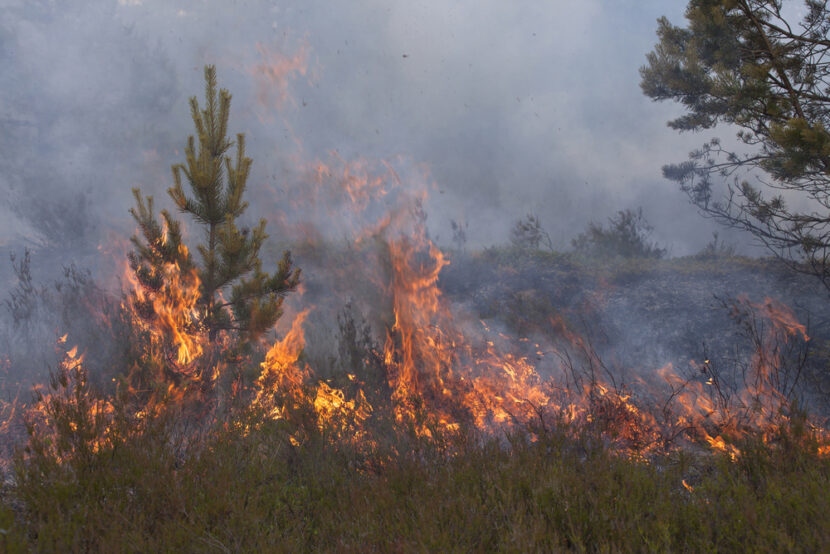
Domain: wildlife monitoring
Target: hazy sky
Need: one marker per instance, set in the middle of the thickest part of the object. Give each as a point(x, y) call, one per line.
point(511, 107)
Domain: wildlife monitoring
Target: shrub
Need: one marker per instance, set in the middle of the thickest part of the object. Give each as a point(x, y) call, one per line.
point(627, 235)
point(528, 233)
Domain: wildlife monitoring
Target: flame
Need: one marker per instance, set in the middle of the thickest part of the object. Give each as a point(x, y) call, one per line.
point(174, 319)
point(781, 316)
point(704, 408)
point(333, 409)
point(442, 374)
point(281, 372)
point(281, 387)
point(433, 363)
point(70, 399)
point(275, 71)
point(443, 370)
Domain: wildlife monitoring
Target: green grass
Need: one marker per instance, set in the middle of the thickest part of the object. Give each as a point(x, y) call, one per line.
point(256, 492)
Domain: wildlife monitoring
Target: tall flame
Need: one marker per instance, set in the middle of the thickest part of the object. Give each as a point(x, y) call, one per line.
point(174, 316)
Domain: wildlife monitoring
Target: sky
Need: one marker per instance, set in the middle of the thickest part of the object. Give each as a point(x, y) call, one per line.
point(502, 108)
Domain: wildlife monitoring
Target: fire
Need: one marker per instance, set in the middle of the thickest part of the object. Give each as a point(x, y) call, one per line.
point(442, 371)
point(443, 374)
point(432, 363)
point(274, 72)
point(464, 378)
point(445, 371)
point(281, 372)
point(360, 186)
point(781, 316)
point(718, 443)
point(710, 411)
point(283, 382)
point(333, 409)
point(170, 314)
point(68, 402)
point(458, 377)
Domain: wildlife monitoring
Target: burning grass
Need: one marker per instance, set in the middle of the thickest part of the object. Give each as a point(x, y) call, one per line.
point(177, 419)
point(440, 431)
point(431, 425)
point(447, 434)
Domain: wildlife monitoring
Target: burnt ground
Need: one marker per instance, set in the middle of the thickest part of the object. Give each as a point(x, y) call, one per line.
point(638, 315)
point(641, 314)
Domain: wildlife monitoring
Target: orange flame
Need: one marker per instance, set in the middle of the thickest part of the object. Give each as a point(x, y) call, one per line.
point(442, 375)
point(175, 317)
point(274, 73)
point(280, 370)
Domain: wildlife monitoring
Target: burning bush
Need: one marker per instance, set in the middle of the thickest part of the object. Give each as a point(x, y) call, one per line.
point(214, 399)
point(183, 302)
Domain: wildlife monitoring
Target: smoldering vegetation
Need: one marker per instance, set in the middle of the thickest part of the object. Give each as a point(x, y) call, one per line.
point(438, 323)
point(379, 300)
point(85, 120)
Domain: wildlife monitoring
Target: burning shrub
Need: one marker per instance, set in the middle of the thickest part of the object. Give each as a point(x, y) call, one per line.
point(183, 301)
point(70, 421)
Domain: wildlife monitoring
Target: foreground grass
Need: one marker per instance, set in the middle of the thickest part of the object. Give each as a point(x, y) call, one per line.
point(258, 492)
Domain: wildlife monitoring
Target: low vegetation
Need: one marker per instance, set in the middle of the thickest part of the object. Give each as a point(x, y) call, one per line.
point(198, 429)
point(236, 490)
point(97, 476)
point(628, 235)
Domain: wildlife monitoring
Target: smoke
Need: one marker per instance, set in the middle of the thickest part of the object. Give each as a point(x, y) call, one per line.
point(509, 107)
point(476, 112)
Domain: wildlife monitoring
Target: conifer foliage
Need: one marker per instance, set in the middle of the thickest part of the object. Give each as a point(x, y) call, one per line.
point(758, 66)
point(234, 293)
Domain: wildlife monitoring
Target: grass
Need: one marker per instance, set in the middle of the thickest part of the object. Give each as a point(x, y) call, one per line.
point(244, 486)
point(257, 492)
point(621, 269)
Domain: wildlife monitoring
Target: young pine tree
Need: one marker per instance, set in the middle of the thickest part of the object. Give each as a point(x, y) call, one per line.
point(234, 294)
